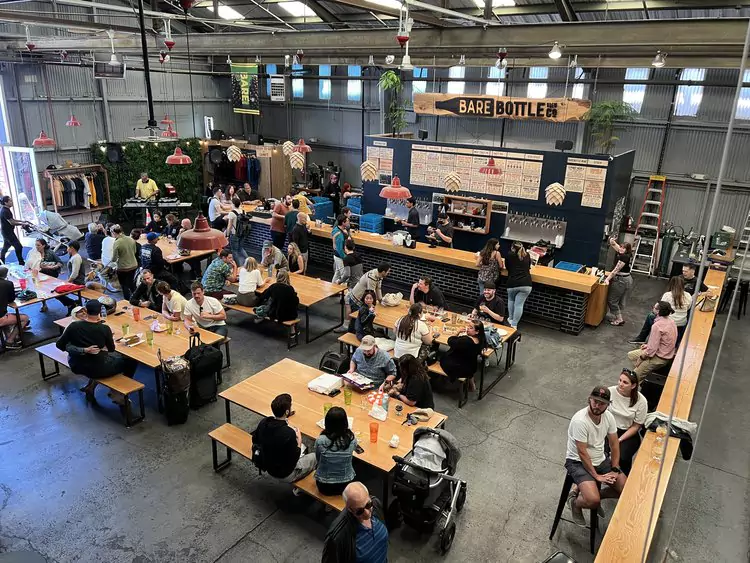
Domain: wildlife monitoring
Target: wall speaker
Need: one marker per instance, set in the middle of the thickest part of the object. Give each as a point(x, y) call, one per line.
point(217, 135)
point(255, 139)
point(422, 133)
point(114, 152)
point(563, 145)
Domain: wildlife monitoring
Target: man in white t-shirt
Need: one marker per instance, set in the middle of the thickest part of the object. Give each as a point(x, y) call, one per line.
point(205, 311)
point(586, 462)
point(173, 304)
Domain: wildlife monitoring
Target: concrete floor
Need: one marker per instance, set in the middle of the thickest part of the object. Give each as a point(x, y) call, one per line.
point(75, 485)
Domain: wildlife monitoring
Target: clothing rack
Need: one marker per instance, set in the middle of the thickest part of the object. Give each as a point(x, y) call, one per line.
point(92, 174)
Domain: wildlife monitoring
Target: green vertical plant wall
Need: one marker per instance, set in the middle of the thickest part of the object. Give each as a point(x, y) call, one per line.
point(151, 157)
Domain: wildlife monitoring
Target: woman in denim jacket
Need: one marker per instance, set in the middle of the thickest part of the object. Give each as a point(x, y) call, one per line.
point(333, 450)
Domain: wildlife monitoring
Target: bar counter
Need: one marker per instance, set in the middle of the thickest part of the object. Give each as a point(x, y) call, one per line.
point(562, 299)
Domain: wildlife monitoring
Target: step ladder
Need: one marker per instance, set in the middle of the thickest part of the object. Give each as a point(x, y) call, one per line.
point(648, 227)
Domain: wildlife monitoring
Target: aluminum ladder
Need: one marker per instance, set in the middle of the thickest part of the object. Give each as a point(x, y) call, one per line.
point(648, 228)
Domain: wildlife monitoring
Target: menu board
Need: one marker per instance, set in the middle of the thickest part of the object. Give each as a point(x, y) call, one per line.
point(383, 158)
point(518, 174)
point(587, 177)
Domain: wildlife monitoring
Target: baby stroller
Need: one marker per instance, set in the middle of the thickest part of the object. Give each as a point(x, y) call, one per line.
point(55, 230)
point(425, 485)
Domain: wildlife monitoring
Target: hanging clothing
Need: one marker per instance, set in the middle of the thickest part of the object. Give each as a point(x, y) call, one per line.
point(240, 169)
point(253, 172)
point(57, 192)
point(92, 192)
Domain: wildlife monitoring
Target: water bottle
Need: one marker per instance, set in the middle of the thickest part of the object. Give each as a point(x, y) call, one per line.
point(270, 270)
point(103, 313)
point(384, 403)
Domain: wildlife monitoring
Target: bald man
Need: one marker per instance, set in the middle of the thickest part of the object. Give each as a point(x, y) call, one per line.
point(359, 534)
point(299, 236)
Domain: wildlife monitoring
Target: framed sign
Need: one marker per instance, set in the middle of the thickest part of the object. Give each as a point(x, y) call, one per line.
point(245, 94)
point(558, 110)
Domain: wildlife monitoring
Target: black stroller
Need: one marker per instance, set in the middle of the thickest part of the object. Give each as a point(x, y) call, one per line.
point(425, 485)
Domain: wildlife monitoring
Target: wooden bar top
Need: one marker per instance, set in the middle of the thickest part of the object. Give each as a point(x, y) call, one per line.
point(628, 531)
point(287, 376)
point(465, 259)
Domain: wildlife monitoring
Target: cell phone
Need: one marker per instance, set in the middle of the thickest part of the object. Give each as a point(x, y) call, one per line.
point(334, 392)
point(118, 313)
point(149, 318)
point(359, 449)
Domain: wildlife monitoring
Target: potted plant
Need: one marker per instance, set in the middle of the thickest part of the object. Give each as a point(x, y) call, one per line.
point(390, 81)
point(604, 117)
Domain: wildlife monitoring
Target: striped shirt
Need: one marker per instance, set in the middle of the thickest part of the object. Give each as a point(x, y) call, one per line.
point(372, 543)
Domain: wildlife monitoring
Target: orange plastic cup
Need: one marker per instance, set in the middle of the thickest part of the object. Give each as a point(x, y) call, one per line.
point(374, 432)
point(136, 314)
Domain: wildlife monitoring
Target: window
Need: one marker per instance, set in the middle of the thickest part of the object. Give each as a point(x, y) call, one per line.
point(394, 4)
point(324, 84)
point(743, 104)
point(270, 69)
point(419, 84)
point(577, 91)
point(297, 9)
point(495, 88)
point(456, 72)
point(688, 98)
point(298, 85)
point(633, 94)
point(537, 89)
point(354, 87)
point(226, 13)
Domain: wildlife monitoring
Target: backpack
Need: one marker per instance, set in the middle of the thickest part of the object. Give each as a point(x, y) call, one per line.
point(205, 371)
point(492, 336)
point(335, 362)
point(244, 225)
point(175, 388)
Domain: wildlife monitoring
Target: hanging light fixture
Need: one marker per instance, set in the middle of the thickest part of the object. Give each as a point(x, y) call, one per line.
point(395, 190)
point(166, 120)
point(170, 133)
point(573, 62)
point(462, 60)
point(301, 146)
point(202, 236)
point(113, 61)
point(371, 61)
point(368, 171)
point(234, 153)
point(452, 182)
point(659, 60)
point(287, 148)
point(179, 158)
point(72, 122)
point(43, 141)
point(555, 52)
point(30, 45)
point(490, 168)
point(257, 59)
point(229, 60)
point(168, 41)
point(297, 160)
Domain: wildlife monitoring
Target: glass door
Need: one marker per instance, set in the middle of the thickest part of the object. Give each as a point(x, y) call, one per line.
point(20, 168)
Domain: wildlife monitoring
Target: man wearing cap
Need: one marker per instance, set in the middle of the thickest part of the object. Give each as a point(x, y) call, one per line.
point(659, 350)
point(490, 306)
point(273, 258)
point(152, 257)
point(442, 235)
point(585, 460)
point(7, 296)
point(91, 351)
point(372, 362)
point(411, 224)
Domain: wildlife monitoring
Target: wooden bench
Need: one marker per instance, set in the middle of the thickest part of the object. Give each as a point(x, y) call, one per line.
point(118, 383)
point(291, 327)
point(237, 440)
point(90, 294)
point(463, 397)
point(350, 340)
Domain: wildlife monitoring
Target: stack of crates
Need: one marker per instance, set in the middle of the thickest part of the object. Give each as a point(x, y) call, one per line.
point(371, 223)
point(323, 209)
point(355, 204)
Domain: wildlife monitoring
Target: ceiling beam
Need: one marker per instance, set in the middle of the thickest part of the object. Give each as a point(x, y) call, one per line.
point(564, 8)
point(61, 23)
point(420, 17)
point(324, 13)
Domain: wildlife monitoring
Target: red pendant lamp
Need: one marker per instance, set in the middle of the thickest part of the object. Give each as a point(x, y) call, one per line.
point(490, 168)
point(395, 190)
point(171, 133)
point(202, 236)
point(43, 141)
point(179, 158)
point(166, 120)
point(72, 122)
point(301, 146)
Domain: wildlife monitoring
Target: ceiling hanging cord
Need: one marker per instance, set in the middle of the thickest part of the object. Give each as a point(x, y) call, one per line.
point(190, 76)
point(567, 77)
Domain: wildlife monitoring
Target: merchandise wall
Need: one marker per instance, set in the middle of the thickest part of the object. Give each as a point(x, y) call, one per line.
point(603, 181)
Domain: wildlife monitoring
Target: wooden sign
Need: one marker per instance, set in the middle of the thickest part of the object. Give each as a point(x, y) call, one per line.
point(548, 109)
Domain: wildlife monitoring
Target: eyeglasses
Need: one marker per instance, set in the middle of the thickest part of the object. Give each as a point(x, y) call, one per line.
point(360, 511)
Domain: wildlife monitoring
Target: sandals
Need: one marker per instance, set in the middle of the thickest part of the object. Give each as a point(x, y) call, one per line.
point(615, 323)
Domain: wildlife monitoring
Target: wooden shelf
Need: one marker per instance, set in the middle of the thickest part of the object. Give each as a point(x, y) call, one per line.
point(468, 230)
point(482, 220)
point(77, 210)
point(465, 214)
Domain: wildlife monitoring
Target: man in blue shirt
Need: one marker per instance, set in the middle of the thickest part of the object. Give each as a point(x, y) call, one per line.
point(359, 533)
point(338, 238)
point(372, 362)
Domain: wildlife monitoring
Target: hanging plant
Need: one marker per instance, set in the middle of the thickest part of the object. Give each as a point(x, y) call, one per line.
point(604, 117)
point(390, 81)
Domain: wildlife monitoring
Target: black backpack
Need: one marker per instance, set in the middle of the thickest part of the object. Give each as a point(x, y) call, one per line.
point(335, 362)
point(244, 225)
point(205, 371)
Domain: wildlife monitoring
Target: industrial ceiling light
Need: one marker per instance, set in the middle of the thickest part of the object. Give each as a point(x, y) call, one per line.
point(502, 53)
point(202, 236)
point(229, 60)
point(371, 61)
point(389, 59)
point(43, 141)
point(72, 122)
point(302, 147)
point(395, 190)
point(659, 60)
point(168, 41)
point(170, 133)
point(179, 158)
point(113, 61)
point(166, 120)
point(300, 55)
point(30, 45)
point(257, 59)
point(462, 60)
point(555, 53)
point(573, 62)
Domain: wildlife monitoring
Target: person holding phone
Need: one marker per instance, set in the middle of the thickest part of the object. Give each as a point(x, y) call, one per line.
point(91, 351)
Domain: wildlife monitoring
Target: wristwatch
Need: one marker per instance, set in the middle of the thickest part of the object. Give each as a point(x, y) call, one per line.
point(616, 470)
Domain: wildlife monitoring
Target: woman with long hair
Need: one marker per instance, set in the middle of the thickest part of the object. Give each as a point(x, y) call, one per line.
point(366, 315)
point(629, 408)
point(411, 333)
point(518, 264)
point(680, 300)
point(250, 279)
point(279, 302)
point(296, 260)
point(334, 450)
point(413, 386)
point(460, 361)
point(620, 282)
point(490, 262)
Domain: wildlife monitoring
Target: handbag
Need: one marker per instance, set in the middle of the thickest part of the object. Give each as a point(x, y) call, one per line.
point(392, 299)
point(708, 303)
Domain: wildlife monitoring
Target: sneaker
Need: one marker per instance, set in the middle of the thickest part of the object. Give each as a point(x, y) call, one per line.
point(576, 512)
point(296, 491)
point(341, 329)
point(13, 345)
point(636, 342)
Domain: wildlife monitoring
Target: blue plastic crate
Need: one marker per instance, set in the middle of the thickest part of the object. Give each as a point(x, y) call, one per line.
point(324, 211)
point(371, 223)
point(355, 204)
point(320, 199)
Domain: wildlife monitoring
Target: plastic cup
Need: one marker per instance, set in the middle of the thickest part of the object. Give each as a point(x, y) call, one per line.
point(170, 327)
point(399, 409)
point(150, 337)
point(125, 329)
point(374, 432)
point(22, 283)
point(136, 314)
point(326, 408)
point(347, 395)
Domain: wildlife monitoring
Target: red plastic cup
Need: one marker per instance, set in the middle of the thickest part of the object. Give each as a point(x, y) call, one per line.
point(22, 283)
point(374, 432)
point(136, 314)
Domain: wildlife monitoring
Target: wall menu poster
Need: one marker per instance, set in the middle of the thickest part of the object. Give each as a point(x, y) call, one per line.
point(587, 177)
point(383, 158)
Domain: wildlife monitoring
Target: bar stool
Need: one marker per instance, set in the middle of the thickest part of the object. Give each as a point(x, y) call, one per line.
point(744, 288)
point(594, 518)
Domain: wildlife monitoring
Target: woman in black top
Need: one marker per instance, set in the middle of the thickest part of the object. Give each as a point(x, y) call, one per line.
point(518, 264)
point(413, 386)
point(460, 361)
point(279, 302)
point(363, 322)
point(94, 239)
point(620, 282)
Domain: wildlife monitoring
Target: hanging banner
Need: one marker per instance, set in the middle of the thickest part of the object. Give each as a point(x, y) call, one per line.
point(557, 110)
point(245, 89)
